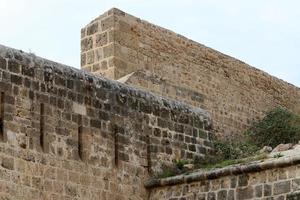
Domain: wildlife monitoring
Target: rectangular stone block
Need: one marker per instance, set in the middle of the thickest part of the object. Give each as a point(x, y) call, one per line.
point(107, 23)
point(7, 163)
point(282, 187)
point(79, 109)
point(101, 39)
point(93, 28)
point(13, 66)
point(245, 193)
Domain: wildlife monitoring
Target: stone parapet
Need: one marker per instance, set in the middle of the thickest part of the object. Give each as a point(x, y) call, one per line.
point(271, 179)
point(226, 171)
point(68, 134)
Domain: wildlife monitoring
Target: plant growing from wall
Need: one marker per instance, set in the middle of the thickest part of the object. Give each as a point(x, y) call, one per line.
point(177, 167)
point(235, 149)
point(180, 164)
point(278, 126)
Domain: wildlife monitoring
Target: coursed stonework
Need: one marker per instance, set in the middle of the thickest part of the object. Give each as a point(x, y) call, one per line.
point(68, 134)
point(276, 179)
point(117, 44)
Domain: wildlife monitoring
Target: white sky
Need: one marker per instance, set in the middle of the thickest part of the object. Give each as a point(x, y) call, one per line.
point(263, 33)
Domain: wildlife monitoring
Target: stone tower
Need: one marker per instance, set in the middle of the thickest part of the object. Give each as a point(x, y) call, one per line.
point(99, 51)
point(122, 47)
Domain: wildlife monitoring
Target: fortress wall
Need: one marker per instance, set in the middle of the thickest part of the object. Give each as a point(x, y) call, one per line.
point(253, 181)
point(67, 134)
point(169, 64)
point(97, 46)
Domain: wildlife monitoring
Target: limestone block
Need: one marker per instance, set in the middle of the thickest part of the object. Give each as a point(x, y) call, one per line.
point(79, 109)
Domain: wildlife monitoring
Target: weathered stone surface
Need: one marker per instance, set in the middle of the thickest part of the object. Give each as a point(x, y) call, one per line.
point(231, 195)
point(245, 193)
point(293, 196)
point(282, 187)
point(93, 28)
point(296, 184)
point(267, 190)
point(101, 39)
point(222, 195)
point(265, 149)
point(8, 163)
point(258, 191)
point(68, 134)
point(171, 65)
point(282, 147)
point(211, 196)
point(257, 187)
point(243, 180)
point(2, 63)
point(13, 66)
point(87, 44)
point(79, 109)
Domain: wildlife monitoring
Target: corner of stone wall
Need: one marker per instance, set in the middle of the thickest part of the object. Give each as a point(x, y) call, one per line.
point(97, 45)
point(109, 45)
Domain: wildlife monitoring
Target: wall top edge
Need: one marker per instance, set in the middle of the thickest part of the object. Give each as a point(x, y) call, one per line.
point(98, 81)
point(199, 175)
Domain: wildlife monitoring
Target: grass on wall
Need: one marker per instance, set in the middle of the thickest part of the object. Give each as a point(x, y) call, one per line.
point(279, 126)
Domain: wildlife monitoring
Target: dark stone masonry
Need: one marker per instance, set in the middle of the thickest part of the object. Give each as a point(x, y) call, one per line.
point(68, 128)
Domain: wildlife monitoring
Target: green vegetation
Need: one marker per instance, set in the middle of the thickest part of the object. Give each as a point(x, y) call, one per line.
point(226, 163)
point(278, 155)
point(278, 126)
point(237, 149)
point(176, 168)
point(166, 174)
point(180, 164)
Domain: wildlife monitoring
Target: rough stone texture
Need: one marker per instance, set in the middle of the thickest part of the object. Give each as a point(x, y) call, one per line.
point(68, 134)
point(262, 184)
point(171, 65)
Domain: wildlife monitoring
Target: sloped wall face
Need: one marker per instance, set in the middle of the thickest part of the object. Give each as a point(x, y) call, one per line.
point(169, 64)
point(276, 184)
point(66, 134)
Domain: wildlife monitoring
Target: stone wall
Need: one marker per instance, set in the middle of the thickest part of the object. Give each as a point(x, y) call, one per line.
point(270, 180)
point(117, 44)
point(67, 134)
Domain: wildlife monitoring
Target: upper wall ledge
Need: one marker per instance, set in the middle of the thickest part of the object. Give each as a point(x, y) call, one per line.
point(201, 174)
point(118, 12)
point(98, 81)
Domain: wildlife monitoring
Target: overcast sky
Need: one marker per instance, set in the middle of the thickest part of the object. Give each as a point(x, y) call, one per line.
point(263, 33)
